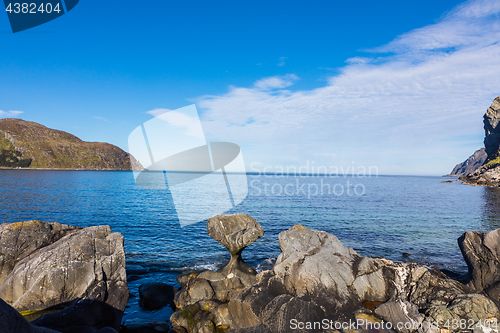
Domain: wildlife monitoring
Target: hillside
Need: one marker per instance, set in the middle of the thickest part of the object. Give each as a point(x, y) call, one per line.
point(29, 144)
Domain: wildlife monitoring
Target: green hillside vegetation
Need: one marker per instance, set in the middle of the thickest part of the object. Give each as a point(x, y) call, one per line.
point(10, 157)
point(29, 144)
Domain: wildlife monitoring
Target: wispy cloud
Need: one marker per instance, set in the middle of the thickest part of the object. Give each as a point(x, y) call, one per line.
point(282, 61)
point(100, 118)
point(276, 82)
point(402, 107)
point(7, 114)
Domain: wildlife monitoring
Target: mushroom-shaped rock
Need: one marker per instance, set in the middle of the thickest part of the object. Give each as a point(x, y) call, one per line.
point(235, 231)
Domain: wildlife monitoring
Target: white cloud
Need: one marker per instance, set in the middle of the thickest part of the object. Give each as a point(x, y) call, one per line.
point(7, 114)
point(407, 111)
point(282, 61)
point(276, 82)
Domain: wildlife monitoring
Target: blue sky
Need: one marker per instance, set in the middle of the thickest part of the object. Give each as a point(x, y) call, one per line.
point(401, 85)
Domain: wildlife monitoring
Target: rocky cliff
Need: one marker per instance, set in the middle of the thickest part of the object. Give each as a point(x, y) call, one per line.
point(489, 173)
point(29, 144)
point(474, 162)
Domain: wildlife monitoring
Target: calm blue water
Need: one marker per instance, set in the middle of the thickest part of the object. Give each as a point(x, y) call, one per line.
point(387, 216)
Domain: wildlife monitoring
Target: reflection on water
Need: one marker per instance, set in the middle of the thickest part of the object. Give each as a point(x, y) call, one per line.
point(491, 208)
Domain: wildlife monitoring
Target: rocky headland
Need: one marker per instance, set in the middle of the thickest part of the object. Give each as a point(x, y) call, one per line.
point(26, 144)
point(316, 285)
point(488, 173)
point(471, 164)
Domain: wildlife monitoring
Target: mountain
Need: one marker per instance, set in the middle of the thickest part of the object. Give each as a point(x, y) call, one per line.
point(31, 145)
point(489, 173)
point(474, 162)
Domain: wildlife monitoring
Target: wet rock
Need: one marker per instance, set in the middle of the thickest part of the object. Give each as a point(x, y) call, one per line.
point(184, 278)
point(156, 295)
point(196, 317)
point(178, 329)
point(12, 321)
point(481, 252)
point(85, 263)
point(83, 316)
point(140, 325)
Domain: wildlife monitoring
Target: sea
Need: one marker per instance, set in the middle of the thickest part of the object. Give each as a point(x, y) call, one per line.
point(378, 216)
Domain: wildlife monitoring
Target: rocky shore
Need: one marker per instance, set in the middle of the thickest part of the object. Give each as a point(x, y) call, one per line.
point(316, 285)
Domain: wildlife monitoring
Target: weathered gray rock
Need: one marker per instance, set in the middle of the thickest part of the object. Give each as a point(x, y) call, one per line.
point(85, 263)
point(471, 164)
point(140, 325)
point(19, 240)
point(492, 131)
point(195, 290)
point(12, 321)
point(489, 173)
point(235, 232)
point(481, 252)
point(316, 277)
point(156, 295)
point(470, 307)
point(81, 317)
point(400, 311)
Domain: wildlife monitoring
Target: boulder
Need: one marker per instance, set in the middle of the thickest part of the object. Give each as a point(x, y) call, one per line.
point(81, 317)
point(19, 240)
point(81, 263)
point(316, 278)
point(156, 295)
point(12, 321)
point(481, 252)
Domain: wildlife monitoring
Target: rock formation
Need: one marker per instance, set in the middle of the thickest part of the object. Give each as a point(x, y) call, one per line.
point(316, 278)
point(471, 164)
point(482, 255)
point(489, 173)
point(202, 301)
point(29, 144)
point(45, 264)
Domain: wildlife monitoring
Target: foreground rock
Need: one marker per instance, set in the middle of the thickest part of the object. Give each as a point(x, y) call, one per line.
point(482, 255)
point(489, 173)
point(12, 321)
point(316, 278)
point(81, 317)
point(84, 263)
point(202, 301)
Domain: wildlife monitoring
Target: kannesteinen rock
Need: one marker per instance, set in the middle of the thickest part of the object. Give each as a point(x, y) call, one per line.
point(31, 145)
point(45, 264)
point(474, 162)
point(489, 173)
point(316, 278)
